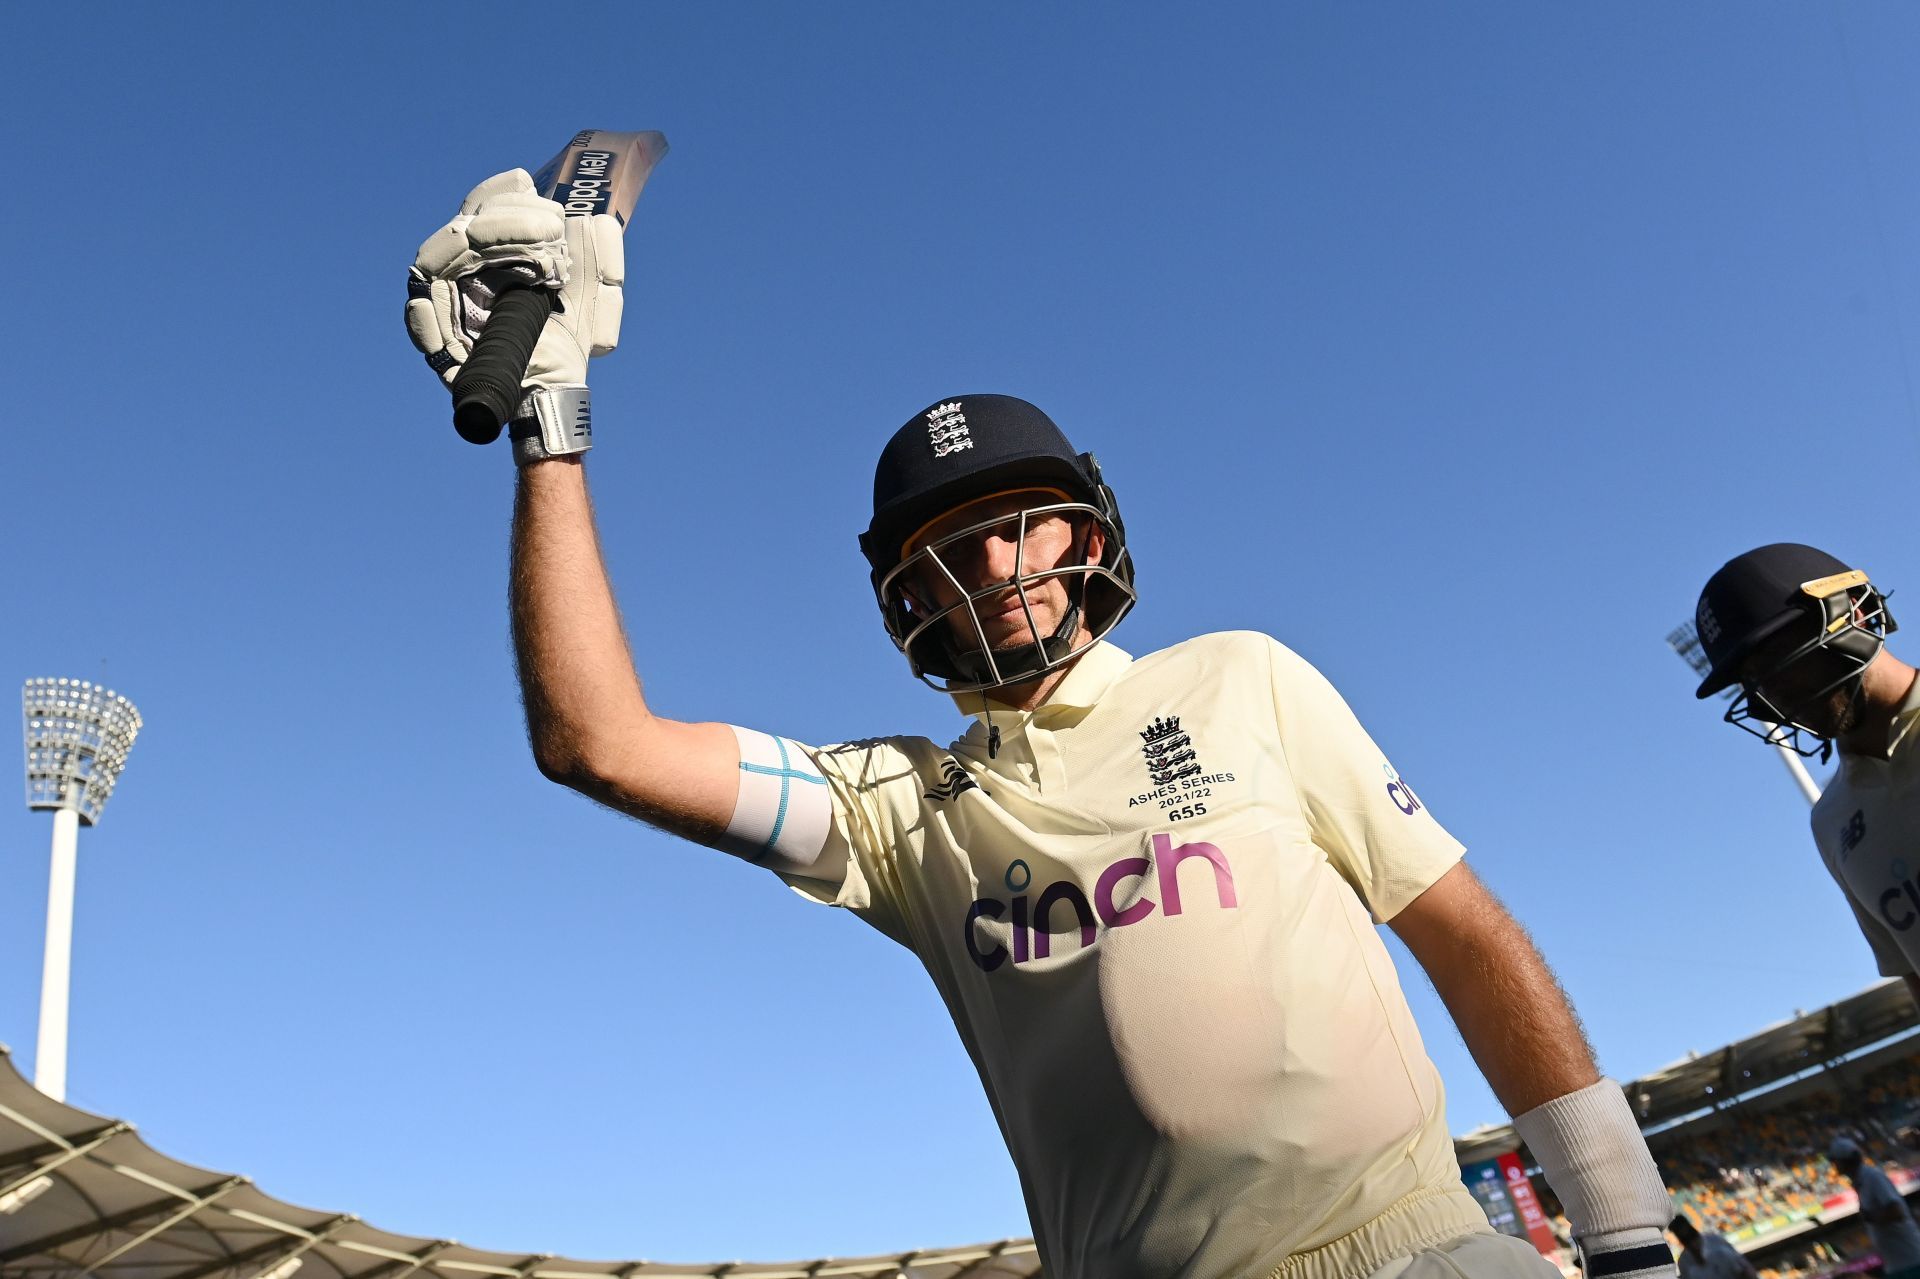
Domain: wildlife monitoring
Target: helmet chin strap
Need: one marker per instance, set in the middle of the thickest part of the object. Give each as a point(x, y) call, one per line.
point(1020, 662)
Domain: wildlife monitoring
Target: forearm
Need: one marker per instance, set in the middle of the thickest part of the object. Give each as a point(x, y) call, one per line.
point(1523, 1034)
point(577, 680)
point(1511, 1012)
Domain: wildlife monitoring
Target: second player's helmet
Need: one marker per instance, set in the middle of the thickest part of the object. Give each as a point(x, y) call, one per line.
point(1837, 619)
point(960, 450)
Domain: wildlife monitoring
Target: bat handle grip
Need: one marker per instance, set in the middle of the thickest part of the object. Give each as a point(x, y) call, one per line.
point(486, 391)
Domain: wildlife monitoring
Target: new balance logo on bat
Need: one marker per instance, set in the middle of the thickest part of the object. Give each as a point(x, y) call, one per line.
point(590, 185)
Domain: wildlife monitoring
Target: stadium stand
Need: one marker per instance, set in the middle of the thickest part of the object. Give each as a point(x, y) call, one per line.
point(1740, 1135)
point(1764, 1169)
point(1822, 1257)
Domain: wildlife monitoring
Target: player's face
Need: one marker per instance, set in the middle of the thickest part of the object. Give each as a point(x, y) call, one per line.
point(994, 554)
point(1801, 688)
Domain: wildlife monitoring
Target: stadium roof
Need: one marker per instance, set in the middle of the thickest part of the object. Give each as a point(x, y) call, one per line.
point(1767, 1057)
point(112, 1207)
point(84, 1195)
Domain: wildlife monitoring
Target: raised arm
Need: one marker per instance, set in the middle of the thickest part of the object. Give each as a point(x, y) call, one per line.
point(587, 719)
point(759, 797)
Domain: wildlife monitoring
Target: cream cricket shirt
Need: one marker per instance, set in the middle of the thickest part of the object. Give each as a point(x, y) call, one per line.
point(1867, 824)
point(1152, 920)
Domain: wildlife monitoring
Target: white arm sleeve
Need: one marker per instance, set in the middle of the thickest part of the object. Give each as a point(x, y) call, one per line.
point(783, 816)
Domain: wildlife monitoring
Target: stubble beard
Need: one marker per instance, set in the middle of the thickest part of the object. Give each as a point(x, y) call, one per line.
point(1843, 708)
point(1836, 716)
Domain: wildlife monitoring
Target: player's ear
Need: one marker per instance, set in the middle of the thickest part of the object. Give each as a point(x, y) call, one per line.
point(1096, 541)
point(914, 592)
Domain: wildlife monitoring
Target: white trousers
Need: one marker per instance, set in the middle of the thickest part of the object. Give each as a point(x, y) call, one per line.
point(1472, 1257)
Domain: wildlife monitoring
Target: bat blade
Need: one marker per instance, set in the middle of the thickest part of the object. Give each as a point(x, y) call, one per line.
point(601, 172)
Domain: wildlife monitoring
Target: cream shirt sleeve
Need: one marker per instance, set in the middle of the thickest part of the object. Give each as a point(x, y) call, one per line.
point(1375, 830)
point(812, 816)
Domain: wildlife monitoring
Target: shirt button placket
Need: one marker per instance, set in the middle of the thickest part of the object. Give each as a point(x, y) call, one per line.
point(1049, 769)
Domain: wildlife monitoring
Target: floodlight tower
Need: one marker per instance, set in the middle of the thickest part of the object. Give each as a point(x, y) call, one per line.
point(1685, 641)
point(77, 736)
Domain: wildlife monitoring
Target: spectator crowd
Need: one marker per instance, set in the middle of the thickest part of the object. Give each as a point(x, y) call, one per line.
point(1755, 1168)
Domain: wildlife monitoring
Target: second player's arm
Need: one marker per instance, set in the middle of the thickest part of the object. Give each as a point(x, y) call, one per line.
point(587, 718)
point(1511, 1012)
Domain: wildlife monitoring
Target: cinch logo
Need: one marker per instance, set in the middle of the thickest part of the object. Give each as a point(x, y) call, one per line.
point(1399, 792)
point(1031, 938)
point(1900, 915)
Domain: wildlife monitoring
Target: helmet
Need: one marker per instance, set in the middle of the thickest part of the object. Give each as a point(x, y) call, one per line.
point(958, 451)
point(1787, 588)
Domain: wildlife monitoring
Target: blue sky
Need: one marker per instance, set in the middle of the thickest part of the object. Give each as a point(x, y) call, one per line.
point(1453, 345)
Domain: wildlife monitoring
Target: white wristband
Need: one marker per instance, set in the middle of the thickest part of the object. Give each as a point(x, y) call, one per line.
point(554, 421)
point(1591, 1151)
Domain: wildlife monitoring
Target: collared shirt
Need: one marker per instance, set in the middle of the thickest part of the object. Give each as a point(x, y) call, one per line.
point(1151, 915)
point(1867, 824)
point(1899, 1243)
point(1718, 1259)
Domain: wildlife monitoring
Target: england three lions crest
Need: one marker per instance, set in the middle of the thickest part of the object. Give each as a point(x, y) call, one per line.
point(1169, 751)
point(947, 429)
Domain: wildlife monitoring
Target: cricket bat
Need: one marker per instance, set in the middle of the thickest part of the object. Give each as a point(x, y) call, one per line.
point(597, 172)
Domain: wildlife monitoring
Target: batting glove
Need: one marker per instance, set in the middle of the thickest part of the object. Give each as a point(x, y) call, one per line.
point(508, 236)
